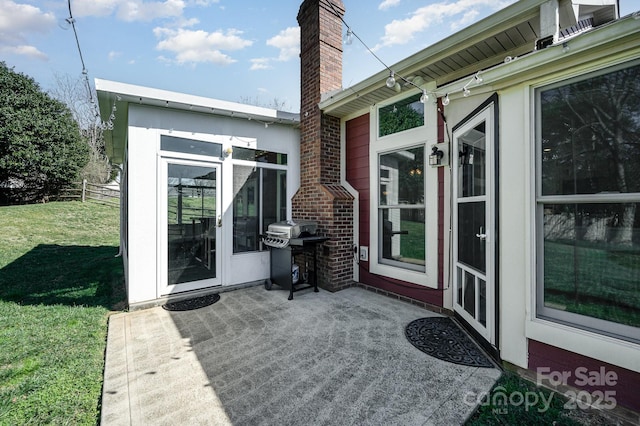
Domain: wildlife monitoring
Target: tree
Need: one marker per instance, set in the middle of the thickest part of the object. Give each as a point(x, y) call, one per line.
point(41, 150)
point(73, 92)
point(591, 143)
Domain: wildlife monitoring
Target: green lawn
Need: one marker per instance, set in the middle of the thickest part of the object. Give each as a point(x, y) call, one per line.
point(59, 279)
point(593, 281)
point(515, 401)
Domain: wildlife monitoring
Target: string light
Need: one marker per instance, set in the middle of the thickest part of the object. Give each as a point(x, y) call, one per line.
point(348, 40)
point(72, 22)
point(392, 80)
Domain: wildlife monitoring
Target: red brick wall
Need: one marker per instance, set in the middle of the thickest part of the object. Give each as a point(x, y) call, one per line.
point(321, 197)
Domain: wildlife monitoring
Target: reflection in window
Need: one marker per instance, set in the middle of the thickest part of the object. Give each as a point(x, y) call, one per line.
point(260, 156)
point(402, 115)
point(259, 199)
point(191, 219)
point(401, 209)
point(190, 146)
point(589, 144)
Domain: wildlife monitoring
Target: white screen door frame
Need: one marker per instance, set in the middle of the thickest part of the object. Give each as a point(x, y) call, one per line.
point(189, 225)
point(474, 237)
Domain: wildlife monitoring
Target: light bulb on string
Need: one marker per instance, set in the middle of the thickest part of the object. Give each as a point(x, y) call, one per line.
point(348, 39)
point(391, 81)
point(466, 92)
point(446, 100)
point(425, 97)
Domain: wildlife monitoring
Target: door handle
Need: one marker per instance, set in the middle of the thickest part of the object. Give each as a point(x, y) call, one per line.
point(482, 235)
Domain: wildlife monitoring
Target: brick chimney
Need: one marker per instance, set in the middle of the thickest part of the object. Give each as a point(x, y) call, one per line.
point(321, 196)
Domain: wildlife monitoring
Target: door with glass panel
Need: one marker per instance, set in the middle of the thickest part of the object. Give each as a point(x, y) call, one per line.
point(190, 222)
point(473, 224)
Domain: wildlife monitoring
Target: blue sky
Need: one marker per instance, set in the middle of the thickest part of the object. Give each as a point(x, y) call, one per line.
point(235, 50)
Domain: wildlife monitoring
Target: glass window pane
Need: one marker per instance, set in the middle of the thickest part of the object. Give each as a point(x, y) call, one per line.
point(472, 166)
point(402, 177)
point(460, 273)
point(274, 196)
point(190, 146)
point(470, 294)
point(592, 260)
point(246, 191)
point(259, 199)
point(260, 156)
point(471, 222)
point(403, 115)
point(590, 135)
point(191, 217)
point(403, 237)
point(482, 315)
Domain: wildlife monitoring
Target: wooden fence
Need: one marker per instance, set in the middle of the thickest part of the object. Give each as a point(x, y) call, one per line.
point(85, 191)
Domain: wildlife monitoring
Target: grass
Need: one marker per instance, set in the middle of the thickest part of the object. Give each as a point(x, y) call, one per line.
point(412, 244)
point(507, 404)
point(606, 286)
point(59, 279)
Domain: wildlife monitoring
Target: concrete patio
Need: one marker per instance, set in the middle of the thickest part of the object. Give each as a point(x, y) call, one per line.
point(256, 358)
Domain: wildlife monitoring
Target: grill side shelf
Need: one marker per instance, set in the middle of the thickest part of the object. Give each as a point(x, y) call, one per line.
point(307, 241)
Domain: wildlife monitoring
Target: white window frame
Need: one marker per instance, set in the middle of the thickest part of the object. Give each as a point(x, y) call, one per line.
point(586, 342)
point(423, 135)
point(597, 325)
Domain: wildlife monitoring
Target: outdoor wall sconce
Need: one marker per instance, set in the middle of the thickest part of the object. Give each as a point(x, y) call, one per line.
point(439, 155)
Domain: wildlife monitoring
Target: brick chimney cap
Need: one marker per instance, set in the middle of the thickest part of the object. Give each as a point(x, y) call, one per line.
point(337, 4)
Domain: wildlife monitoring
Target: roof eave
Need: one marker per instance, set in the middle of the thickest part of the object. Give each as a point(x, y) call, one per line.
point(519, 11)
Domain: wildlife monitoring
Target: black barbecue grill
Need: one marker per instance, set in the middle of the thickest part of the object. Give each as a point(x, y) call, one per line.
point(288, 241)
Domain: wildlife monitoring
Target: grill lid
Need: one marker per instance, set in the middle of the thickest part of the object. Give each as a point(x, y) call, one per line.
point(288, 229)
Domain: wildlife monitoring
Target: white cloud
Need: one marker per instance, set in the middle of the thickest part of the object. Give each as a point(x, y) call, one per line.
point(23, 50)
point(467, 19)
point(113, 55)
point(19, 20)
point(386, 4)
point(130, 10)
point(202, 2)
point(200, 46)
point(402, 31)
point(288, 41)
point(260, 64)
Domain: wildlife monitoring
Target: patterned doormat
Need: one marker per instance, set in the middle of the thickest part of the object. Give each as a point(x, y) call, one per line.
point(190, 304)
point(441, 338)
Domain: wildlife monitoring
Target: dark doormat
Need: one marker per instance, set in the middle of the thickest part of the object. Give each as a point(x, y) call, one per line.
point(190, 304)
point(441, 338)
